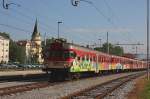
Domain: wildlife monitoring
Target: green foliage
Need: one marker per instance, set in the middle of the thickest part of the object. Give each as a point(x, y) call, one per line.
point(16, 52)
point(115, 50)
point(48, 42)
point(34, 59)
point(146, 93)
point(5, 35)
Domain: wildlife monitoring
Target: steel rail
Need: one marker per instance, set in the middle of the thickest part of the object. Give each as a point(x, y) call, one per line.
point(102, 90)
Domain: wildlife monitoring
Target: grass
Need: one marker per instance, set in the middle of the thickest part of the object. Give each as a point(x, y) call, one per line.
point(146, 92)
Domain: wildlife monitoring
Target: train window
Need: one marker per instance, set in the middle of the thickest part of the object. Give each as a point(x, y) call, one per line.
point(83, 58)
point(101, 59)
point(90, 59)
point(94, 58)
point(72, 54)
point(104, 59)
point(54, 54)
point(58, 54)
point(69, 54)
point(87, 58)
point(66, 54)
point(78, 57)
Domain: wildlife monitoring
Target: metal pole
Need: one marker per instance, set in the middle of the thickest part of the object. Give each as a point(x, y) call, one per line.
point(148, 39)
point(58, 28)
point(107, 44)
point(100, 43)
point(136, 50)
point(45, 39)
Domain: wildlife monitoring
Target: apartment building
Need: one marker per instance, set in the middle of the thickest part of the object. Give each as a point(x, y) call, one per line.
point(4, 50)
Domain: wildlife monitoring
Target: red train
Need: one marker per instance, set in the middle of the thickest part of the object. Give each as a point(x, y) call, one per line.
point(64, 59)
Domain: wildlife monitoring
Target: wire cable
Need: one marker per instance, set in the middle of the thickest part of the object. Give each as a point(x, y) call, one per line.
point(13, 27)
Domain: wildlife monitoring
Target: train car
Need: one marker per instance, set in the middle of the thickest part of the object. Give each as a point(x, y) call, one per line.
point(64, 59)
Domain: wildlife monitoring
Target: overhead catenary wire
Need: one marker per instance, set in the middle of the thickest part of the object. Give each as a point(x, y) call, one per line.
point(110, 9)
point(99, 11)
point(18, 19)
point(13, 27)
point(44, 25)
point(26, 16)
point(116, 17)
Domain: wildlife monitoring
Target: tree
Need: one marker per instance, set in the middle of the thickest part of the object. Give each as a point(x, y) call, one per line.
point(5, 35)
point(115, 50)
point(16, 52)
point(118, 51)
point(48, 42)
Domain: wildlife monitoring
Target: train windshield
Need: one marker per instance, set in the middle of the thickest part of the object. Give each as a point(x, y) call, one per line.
point(69, 54)
point(62, 54)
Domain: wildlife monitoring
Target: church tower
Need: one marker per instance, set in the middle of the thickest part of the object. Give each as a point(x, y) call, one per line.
point(36, 38)
point(36, 47)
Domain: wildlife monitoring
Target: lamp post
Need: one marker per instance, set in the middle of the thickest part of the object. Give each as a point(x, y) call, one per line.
point(58, 27)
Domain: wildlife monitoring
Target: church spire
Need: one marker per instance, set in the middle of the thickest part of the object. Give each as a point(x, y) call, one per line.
point(35, 27)
point(35, 31)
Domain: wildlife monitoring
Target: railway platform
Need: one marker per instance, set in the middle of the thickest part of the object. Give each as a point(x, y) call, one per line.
point(20, 75)
point(23, 72)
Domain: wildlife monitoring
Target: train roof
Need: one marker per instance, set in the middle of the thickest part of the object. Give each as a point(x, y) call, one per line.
point(98, 52)
point(87, 49)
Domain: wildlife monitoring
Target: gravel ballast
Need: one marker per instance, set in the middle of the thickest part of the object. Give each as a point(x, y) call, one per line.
point(64, 89)
point(122, 91)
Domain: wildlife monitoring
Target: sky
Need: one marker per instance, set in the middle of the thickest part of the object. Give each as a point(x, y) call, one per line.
point(124, 20)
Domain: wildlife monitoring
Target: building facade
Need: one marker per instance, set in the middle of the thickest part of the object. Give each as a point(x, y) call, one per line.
point(36, 46)
point(33, 48)
point(4, 50)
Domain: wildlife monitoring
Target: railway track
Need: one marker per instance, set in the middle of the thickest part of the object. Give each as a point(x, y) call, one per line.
point(25, 83)
point(22, 77)
point(88, 92)
point(102, 90)
point(22, 88)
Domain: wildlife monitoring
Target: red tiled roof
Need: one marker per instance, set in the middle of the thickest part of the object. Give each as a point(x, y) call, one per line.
point(23, 42)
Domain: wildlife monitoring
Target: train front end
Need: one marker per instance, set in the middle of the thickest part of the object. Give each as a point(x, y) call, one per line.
point(58, 58)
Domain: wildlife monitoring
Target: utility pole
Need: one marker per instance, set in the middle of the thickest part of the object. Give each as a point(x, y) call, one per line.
point(58, 27)
point(136, 50)
point(148, 39)
point(45, 39)
point(107, 44)
point(100, 43)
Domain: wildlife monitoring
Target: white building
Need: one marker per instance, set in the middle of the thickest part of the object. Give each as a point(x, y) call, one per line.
point(4, 50)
